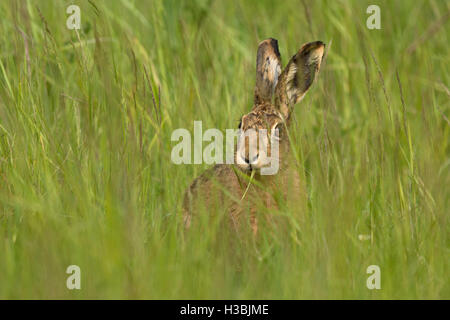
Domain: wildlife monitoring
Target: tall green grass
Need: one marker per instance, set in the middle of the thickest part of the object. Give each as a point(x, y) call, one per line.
point(85, 170)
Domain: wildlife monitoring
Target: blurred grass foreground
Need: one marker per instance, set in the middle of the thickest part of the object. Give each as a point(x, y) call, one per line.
point(86, 176)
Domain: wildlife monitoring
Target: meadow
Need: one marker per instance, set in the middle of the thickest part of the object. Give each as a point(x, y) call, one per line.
point(86, 176)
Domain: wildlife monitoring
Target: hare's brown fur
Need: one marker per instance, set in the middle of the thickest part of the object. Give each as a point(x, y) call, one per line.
point(223, 186)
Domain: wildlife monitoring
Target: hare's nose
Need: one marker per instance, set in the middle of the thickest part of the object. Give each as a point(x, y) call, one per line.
point(253, 160)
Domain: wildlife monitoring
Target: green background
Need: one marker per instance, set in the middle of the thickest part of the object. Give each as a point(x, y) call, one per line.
point(85, 170)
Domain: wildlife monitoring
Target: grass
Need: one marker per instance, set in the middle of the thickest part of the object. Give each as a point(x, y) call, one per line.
point(85, 171)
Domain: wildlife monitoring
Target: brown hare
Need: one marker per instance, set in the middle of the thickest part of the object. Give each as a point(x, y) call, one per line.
point(225, 186)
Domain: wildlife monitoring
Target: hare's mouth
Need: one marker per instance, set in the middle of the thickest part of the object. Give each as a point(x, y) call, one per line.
point(264, 166)
point(259, 163)
point(248, 168)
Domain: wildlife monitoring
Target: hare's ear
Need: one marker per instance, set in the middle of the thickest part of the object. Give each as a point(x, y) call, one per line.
point(268, 68)
point(298, 76)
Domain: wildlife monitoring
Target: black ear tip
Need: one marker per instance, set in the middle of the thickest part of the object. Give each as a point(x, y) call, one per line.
point(274, 43)
point(311, 47)
point(269, 44)
point(317, 44)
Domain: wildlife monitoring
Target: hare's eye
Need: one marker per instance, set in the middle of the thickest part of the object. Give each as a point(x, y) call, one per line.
point(277, 131)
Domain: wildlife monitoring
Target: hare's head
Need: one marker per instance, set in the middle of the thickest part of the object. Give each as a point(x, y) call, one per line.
point(276, 93)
